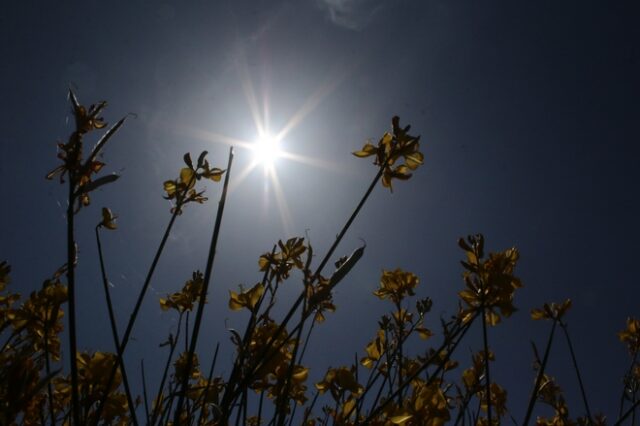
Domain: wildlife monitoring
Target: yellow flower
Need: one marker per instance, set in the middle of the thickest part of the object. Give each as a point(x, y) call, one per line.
point(391, 148)
point(396, 284)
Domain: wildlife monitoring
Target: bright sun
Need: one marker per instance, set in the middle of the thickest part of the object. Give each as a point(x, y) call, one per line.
point(265, 150)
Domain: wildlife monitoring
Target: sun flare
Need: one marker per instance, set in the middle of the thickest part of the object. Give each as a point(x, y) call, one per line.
point(266, 149)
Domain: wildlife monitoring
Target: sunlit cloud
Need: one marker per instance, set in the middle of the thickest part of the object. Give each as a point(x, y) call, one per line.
point(351, 14)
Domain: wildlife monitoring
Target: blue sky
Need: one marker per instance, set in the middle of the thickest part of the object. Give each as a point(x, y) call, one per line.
point(529, 120)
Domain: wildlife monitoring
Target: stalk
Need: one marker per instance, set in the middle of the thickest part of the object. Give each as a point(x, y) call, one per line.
point(71, 290)
point(536, 387)
point(48, 368)
point(136, 309)
point(144, 391)
point(114, 331)
point(631, 410)
point(485, 341)
point(577, 370)
point(173, 342)
point(624, 388)
point(205, 289)
point(209, 378)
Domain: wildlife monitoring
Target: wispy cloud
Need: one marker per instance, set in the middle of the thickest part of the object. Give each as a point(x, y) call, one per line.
point(351, 14)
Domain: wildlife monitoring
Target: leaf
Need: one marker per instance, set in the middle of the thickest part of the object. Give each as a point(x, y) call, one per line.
point(398, 420)
point(170, 188)
point(108, 219)
point(201, 157)
point(424, 333)
point(367, 150)
point(187, 160)
point(347, 265)
point(95, 184)
point(538, 314)
point(187, 176)
point(214, 174)
point(54, 172)
point(103, 140)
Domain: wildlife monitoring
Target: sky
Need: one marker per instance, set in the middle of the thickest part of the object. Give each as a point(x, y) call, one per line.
point(528, 115)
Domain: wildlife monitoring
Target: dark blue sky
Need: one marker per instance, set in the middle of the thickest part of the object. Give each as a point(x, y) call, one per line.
point(529, 115)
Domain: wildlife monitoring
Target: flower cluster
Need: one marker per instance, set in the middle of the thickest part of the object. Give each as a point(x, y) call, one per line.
point(182, 190)
point(395, 147)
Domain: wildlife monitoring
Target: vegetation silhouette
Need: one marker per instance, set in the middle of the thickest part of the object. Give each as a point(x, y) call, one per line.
point(268, 381)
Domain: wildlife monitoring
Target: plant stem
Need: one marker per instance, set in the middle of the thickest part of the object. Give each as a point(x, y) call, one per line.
point(173, 342)
point(577, 370)
point(205, 289)
point(624, 388)
point(457, 335)
point(485, 342)
point(48, 367)
point(114, 331)
point(136, 309)
point(267, 353)
point(237, 365)
point(71, 289)
point(536, 387)
point(631, 410)
point(209, 378)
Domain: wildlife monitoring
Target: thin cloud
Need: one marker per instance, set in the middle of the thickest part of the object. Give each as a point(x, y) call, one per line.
point(351, 14)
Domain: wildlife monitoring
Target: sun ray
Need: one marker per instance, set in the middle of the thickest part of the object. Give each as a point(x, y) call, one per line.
point(249, 92)
point(315, 99)
point(216, 137)
point(285, 214)
point(266, 147)
point(315, 162)
point(240, 177)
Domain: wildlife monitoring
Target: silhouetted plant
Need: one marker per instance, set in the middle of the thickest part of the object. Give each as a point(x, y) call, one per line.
point(268, 381)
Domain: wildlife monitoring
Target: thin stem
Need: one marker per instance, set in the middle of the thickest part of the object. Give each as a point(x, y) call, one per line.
point(283, 399)
point(627, 413)
point(209, 378)
point(136, 309)
point(485, 342)
point(205, 288)
point(71, 290)
point(399, 350)
point(173, 342)
point(536, 387)
point(624, 388)
point(374, 377)
point(260, 407)
point(268, 353)
point(457, 335)
point(463, 408)
point(144, 390)
point(577, 370)
point(47, 362)
point(114, 330)
point(308, 411)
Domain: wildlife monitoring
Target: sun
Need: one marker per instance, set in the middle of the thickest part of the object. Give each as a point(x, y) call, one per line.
point(266, 149)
